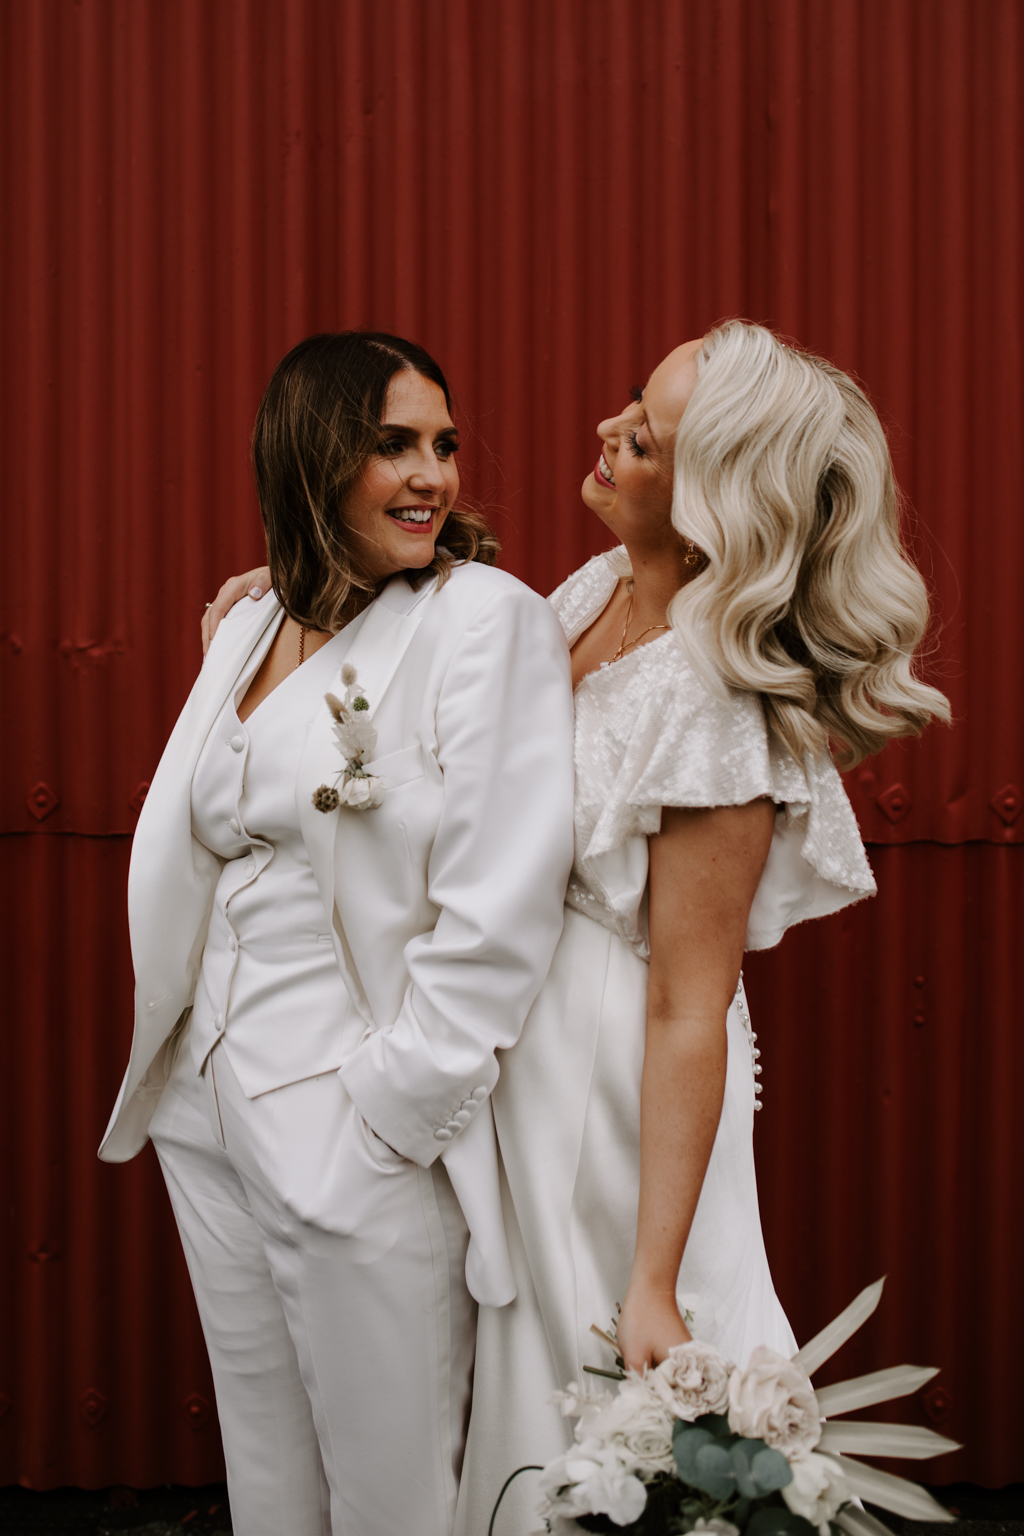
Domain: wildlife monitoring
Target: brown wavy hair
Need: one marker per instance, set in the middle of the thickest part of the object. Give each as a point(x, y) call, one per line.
point(317, 427)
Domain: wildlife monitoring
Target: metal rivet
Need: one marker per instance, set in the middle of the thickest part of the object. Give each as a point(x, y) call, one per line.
point(894, 803)
point(93, 1407)
point(198, 1410)
point(47, 1252)
point(937, 1404)
point(1007, 803)
point(41, 801)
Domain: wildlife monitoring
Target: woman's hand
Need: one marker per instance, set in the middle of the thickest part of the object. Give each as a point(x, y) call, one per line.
point(649, 1325)
point(705, 867)
point(253, 584)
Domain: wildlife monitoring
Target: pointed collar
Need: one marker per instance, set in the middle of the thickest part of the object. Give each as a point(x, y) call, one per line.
point(385, 632)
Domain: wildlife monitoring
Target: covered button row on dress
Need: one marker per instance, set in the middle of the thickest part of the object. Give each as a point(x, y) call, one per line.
point(462, 1116)
point(755, 1053)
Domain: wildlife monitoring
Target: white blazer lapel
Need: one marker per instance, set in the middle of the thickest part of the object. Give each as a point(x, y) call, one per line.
point(170, 878)
point(382, 638)
point(163, 836)
point(382, 641)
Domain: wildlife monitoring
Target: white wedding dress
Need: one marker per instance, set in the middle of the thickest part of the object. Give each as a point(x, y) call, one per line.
point(567, 1104)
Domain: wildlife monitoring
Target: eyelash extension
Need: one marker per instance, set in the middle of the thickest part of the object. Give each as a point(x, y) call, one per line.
point(634, 447)
point(636, 393)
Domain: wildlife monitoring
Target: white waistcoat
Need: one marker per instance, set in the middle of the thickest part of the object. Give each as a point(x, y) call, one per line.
point(270, 984)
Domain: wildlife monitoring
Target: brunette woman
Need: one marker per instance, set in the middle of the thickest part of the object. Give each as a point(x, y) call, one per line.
point(345, 892)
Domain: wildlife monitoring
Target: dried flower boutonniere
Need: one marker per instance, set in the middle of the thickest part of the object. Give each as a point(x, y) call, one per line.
point(357, 742)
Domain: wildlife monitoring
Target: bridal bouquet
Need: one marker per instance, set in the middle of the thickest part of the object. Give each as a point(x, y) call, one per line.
point(699, 1445)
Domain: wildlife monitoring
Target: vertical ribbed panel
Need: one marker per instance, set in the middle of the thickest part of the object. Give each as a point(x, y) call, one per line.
point(548, 194)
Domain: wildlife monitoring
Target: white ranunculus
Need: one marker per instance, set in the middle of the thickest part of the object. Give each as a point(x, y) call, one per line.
point(773, 1400)
point(575, 1399)
point(637, 1422)
point(818, 1490)
point(592, 1479)
point(361, 794)
point(693, 1379)
point(717, 1527)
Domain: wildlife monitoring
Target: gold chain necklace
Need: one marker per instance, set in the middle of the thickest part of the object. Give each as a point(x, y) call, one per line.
point(623, 647)
point(302, 646)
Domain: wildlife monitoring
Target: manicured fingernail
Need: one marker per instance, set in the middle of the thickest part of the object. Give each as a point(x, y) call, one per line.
point(256, 593)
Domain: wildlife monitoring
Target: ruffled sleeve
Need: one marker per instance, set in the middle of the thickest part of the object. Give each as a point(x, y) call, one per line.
point(655, 736)
point(583, 594)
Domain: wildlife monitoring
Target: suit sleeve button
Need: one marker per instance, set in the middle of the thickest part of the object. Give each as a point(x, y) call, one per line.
point(443, 1133)
point(462, 1117)
point(479, 1094)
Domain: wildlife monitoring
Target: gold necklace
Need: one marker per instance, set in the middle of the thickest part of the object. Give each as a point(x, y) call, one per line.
point(302, 646)
point(623, 647)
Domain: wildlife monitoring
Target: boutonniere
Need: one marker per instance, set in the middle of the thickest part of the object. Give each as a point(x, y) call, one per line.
point(357, 743)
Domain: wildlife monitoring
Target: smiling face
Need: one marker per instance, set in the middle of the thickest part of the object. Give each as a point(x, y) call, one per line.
point(630, 487)
point(399, 504)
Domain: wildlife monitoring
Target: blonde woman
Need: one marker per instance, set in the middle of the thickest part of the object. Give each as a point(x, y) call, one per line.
point(758, 613)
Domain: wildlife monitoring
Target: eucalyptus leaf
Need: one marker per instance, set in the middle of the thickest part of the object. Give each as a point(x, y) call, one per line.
point(687, 1439)
point(770, 1470)
point(740, 1459)
point(714, 1472)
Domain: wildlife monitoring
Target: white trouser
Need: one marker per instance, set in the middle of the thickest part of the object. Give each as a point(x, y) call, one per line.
point(342, 1358)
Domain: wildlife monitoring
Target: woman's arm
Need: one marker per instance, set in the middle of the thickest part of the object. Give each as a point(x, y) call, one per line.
point(705, 868)
point(495, 874)
point(253, 584)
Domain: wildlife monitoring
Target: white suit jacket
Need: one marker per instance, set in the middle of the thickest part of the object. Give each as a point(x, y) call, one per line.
point(445, 901)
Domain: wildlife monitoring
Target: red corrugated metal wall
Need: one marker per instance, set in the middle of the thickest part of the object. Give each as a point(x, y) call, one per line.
point(549, 194)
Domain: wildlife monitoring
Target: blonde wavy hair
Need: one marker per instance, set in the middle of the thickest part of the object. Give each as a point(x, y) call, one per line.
point(783, 479)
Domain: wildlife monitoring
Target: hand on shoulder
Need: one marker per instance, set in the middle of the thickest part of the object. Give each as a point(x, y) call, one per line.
point(254, 584)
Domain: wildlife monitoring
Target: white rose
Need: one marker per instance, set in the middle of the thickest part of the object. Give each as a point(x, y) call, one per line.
point(361, 794)
point(773, 1400)
point(635, 1421)
point(718, 1527)
point(818, 1490)
point(693, 1379)
point(592, 1479)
